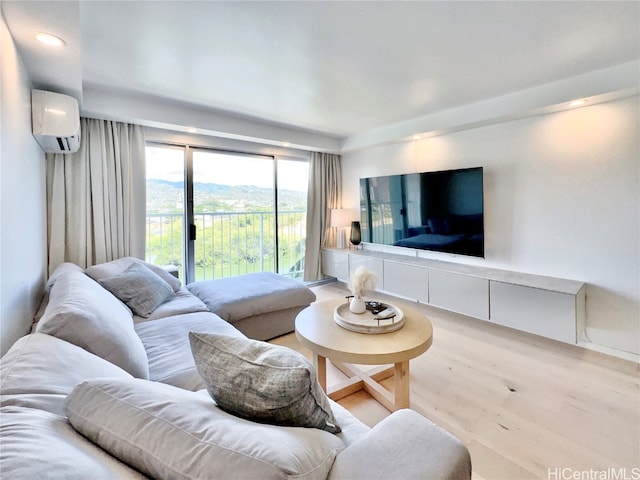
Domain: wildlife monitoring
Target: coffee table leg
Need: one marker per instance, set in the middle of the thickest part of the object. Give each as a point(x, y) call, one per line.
point(401, 384)
point(320, 364)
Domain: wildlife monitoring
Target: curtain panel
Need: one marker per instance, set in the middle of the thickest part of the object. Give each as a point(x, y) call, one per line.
point(324, 193)
point(96, 196)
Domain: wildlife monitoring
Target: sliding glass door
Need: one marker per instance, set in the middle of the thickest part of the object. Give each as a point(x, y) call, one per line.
point(292, 181)
point(241, 213)
point(233, 214)
point(165, 233)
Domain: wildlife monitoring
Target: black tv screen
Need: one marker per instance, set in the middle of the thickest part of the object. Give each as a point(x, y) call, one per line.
point(441, 211)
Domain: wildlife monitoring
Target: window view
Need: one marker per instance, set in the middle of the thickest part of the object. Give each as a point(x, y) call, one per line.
point(292, 216)
point(249, 212)
point(165, 207)
point(233, 199)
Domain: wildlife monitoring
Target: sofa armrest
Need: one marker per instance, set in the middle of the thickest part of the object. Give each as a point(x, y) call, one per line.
point(172, 269)
point(404, 445)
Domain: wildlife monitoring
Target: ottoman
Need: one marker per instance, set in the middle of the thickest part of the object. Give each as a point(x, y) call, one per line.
point(261, 305)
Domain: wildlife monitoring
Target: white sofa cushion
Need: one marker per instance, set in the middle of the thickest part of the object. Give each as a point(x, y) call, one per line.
point(405, 445)
point(261, 381)
point(168, 432)
point(351, 428)
point(114, 267)
point(39, 444)
point(182, 302)
point(62, 269)
point(139, 288)
point(235, 298)
point(83, 313)
point(167, 344)
point(39, 371)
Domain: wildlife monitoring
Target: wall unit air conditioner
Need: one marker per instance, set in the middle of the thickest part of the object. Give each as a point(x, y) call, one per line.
point(55, 121)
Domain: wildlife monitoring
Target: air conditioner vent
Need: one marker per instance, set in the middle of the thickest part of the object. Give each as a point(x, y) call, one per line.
point(55, 121)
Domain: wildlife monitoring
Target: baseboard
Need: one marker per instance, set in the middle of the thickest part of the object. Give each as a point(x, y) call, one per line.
point(628, 356)
point(322, 281)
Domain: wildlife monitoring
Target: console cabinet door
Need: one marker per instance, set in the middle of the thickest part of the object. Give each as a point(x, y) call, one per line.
point(459, 293)
point(533, 310)
point(373, 264)
point(406, 281)
point(335, 264)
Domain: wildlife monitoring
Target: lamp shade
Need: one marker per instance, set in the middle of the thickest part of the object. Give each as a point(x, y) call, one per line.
point(341, 217)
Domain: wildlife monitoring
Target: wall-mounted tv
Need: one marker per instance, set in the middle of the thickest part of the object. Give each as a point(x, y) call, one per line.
point(441, 211)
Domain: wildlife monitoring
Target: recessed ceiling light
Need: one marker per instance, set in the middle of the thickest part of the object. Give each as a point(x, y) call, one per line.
point(577, 103)
point(49, 39)
point(286, 144)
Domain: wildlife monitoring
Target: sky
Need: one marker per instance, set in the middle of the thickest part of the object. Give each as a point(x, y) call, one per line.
point(165, 163)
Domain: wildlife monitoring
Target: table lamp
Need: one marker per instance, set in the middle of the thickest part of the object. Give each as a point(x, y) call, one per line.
point(340, 219)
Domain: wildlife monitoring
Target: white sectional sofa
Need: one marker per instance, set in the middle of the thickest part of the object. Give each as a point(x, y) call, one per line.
point(99, 392)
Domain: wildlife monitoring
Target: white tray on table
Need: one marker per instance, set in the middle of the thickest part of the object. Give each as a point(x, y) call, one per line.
point(368, 322)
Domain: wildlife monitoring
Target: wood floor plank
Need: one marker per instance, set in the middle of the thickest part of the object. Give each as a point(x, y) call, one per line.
point(489, 464)
point(521, 403)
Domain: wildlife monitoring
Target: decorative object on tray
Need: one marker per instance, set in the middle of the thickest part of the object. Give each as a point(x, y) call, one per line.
point(379, 318)
point(361, 281)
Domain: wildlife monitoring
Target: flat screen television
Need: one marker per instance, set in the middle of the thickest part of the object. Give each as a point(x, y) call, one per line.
point(441, 211)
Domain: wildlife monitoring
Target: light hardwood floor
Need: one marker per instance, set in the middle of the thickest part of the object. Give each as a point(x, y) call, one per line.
point(526, 407)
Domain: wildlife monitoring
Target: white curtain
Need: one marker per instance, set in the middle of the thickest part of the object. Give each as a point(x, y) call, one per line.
point(324, 193)
point(96, 196)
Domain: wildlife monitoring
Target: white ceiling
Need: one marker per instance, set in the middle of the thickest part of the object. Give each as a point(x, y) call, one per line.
point(338, 68)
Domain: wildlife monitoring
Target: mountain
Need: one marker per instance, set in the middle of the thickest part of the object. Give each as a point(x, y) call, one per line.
point(167, 197)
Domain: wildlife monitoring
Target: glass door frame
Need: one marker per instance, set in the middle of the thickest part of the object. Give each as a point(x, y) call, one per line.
point(190, 226)
point(189, 266)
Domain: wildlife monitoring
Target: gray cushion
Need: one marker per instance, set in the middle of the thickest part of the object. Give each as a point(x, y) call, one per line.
point(62, 269)
point(83, 313)
point(40, 370)
point(167, 344)
point(235, 298)
point(182, 302)
point(405, 445)
point(168, 432)
point(114, 267)
point(261, 381)
point(38, 444)
point(140, 288)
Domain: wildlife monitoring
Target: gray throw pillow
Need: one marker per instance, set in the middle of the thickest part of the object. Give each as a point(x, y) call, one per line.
point(139, 288)
point(119, 265)
point(262, 382)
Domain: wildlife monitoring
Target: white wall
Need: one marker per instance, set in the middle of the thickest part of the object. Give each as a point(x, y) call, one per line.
point(149, 111)
point(23, 221)
point(562, 198)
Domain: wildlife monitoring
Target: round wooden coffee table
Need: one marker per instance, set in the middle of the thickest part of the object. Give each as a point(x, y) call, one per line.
point(317, 330)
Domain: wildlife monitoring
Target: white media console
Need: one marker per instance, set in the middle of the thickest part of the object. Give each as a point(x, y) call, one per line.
point(545, 306)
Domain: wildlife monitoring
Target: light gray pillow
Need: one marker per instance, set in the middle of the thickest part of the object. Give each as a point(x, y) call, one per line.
point(139, 288)
point(168, 432)
point(119, 265)
point(263, 382)
point(81, 312)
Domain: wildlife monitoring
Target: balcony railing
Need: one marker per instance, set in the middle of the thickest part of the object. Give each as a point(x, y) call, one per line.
point(230, 243)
